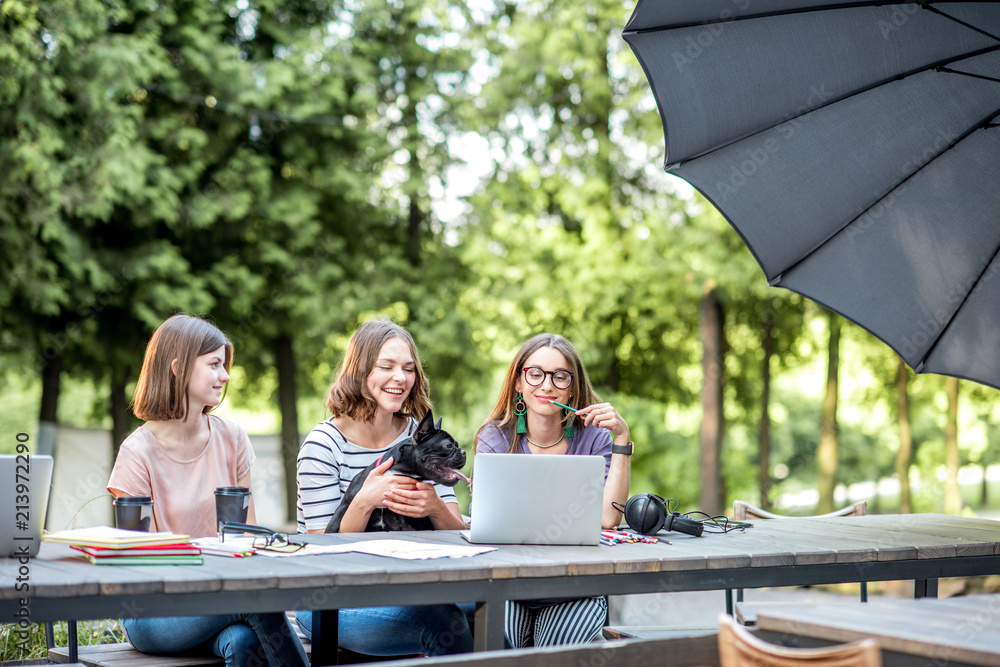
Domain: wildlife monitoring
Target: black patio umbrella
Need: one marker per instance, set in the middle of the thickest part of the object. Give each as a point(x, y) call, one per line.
point(854, 146)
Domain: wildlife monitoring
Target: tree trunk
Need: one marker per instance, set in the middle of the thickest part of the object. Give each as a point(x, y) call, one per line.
point(952, 498)
point(121, 422)
point(415, 216)
point(287, 398)
point(51, 380)
point(904, 458)
point(826, 454)
point(48, 412)
point(713, 425)
point(413, 226)
point(764, 434)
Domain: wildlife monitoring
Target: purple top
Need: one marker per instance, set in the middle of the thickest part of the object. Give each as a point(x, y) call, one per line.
point(588, 441)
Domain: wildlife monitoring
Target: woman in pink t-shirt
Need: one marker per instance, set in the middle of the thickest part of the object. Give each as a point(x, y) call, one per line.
point(179, 457)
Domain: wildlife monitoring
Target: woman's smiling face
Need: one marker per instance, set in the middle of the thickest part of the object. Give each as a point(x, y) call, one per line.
point(392, 378)
point(538, 398)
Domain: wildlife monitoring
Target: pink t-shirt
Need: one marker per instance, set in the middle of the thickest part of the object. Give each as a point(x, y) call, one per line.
point(183, 492)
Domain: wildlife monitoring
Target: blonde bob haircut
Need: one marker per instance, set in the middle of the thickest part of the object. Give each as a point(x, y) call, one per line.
point(582, 393)
point(162, 394)
point(349, 394)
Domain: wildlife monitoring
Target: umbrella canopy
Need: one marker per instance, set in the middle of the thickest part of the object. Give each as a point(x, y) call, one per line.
point(855, 149)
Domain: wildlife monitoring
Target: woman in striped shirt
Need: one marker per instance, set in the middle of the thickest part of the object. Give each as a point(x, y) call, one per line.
point(377, 400)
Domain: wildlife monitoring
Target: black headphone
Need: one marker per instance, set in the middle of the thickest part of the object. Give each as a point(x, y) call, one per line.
point(646, 514)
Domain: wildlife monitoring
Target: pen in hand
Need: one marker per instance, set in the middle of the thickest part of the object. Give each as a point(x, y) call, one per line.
point(574, 410)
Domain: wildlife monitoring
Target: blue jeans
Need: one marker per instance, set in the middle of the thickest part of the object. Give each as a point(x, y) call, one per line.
point(387, 631)
point(244, 640)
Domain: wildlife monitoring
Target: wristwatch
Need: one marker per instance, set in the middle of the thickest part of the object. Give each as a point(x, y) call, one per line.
point(622, 449)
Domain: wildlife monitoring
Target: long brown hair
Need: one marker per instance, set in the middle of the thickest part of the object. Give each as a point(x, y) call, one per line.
point(582, 393)
point(349, 394)
point(162, 393)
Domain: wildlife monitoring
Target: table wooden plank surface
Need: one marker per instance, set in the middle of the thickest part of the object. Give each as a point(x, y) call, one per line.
point(967, 539)
point(59, 573)
point(778, 552)
point(950, 631)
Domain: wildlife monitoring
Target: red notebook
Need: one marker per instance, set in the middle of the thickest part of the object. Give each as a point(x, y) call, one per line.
point(148, 550)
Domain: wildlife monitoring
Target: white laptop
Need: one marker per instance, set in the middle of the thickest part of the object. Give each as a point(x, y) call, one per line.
point(25, 481)
point(536, 499)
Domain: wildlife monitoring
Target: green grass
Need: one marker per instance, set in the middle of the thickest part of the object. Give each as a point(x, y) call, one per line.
point(14, 647)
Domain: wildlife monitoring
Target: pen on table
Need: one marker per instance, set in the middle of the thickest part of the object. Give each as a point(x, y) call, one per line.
point(631, 538)
point(617, 536)
point(620, 535)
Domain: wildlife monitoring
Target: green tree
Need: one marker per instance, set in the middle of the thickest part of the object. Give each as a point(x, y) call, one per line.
point(75, 133)
point(579, 231)
point(421, 56)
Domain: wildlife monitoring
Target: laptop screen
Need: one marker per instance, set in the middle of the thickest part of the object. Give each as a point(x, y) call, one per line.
point(25, 480)
point(536, 499)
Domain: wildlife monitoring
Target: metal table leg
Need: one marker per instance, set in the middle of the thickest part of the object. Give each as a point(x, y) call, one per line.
point(324, 637)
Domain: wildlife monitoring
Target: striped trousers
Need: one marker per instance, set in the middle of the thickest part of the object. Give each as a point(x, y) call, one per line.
point(573, 622)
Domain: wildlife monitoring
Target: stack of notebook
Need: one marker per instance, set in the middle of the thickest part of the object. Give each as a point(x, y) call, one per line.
point(104, 545)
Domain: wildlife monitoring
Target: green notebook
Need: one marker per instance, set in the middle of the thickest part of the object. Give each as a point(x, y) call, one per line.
point(146, 560)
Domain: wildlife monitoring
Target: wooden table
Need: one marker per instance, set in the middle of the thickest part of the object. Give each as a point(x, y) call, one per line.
point(771, 553)
point(954, 632)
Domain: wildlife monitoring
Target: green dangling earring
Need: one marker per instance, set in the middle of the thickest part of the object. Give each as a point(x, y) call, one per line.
point(520, 409)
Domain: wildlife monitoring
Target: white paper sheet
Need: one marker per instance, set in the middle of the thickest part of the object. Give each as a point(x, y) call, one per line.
point(416, 550)
point(406, 549)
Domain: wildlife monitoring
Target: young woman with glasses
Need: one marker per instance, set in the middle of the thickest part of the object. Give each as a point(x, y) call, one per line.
point(527, 420)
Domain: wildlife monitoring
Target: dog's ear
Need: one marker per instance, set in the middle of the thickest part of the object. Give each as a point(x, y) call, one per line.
point(437, 426)
point(426, 425)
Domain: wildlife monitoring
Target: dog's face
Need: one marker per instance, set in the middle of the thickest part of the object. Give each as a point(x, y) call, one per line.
point(434, 455)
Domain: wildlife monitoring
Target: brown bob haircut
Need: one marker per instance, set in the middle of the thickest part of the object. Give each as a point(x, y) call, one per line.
point(161, 394)
point(582, 393)
point(349, 394)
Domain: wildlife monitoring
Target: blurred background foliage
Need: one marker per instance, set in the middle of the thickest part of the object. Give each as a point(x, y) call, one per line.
point(477, 171)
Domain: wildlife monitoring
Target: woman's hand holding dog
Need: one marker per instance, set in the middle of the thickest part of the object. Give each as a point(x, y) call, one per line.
point(415, 500)
point(406, 496)
point(377, 485)
point(400, 494)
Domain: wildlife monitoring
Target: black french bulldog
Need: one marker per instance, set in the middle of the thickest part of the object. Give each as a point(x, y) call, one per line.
point(430, 455)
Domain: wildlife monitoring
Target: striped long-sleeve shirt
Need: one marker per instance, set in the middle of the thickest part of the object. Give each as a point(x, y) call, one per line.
point(327, 463)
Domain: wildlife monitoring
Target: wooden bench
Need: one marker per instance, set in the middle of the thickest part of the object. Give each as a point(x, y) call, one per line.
point(614, 632)
point(687, 647)
point(700, 651)
point(689, 651)
point(123, 655)
point(746, 612)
